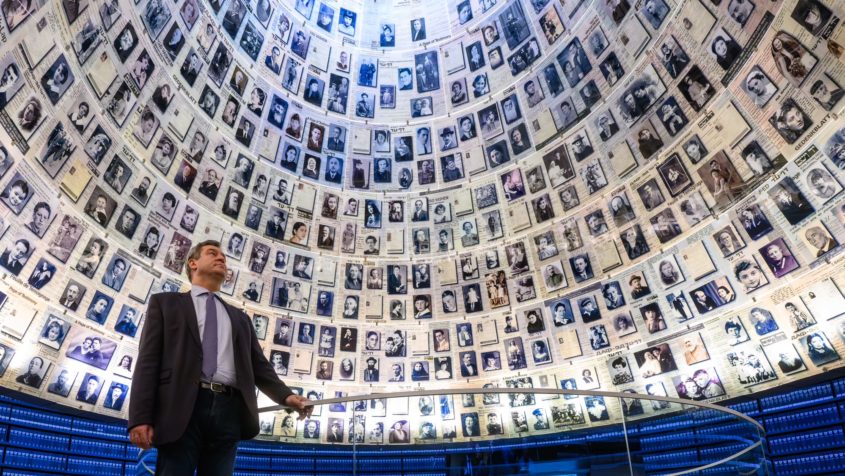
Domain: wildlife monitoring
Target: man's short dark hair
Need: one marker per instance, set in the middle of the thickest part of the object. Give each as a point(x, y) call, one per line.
point(742, 266)
point(25, 243)
point(195, 253)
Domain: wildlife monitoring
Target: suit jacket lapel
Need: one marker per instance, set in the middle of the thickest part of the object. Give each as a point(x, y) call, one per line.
point(191, 313)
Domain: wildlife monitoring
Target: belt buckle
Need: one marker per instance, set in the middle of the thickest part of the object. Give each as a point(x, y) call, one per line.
point(217, 387)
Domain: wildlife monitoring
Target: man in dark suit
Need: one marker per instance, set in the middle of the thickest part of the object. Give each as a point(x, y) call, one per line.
point(72, 297)
point(468, 366)
point(336, 140)
point(396, 282)
point(90, 392)
point(371, 372)
point(193, 393)
point(283, 336)
point(702, 301)
point(589, 311)
point(335, 434)
point(420, 211)
point(607, 127)
point(276, 226)
point(793, 205)
point(14, 258)
point(638, 288)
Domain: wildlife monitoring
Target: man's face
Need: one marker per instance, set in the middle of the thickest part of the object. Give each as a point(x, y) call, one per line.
point(816, 238)
point(128, 219)
point(404, 78)
point(580, 265)
point(211, 262)
point(72, 292)
point(197, 140)
point(19, 250)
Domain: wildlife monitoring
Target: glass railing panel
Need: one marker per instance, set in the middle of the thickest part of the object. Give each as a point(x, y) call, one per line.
point(529, 431)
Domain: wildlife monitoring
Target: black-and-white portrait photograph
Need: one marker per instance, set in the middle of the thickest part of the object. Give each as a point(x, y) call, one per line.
point(826, 92)
point(793, 60)
point(672, 116)
point(41, 217)
point(32, 371)
point(427, 72)
point(29, 116)
point(754, 221)
point(674, 175)
point(11, 80)
point(673, 57)
point(643, 92)
point(514, 24)
point(669, 272)
point(89, 347)
point(790, 121)
point(54, 332)
point(791, 201)
point(696, 88)
point(759, 87)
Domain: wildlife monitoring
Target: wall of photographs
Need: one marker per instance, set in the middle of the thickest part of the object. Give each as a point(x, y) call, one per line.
point(626, 195)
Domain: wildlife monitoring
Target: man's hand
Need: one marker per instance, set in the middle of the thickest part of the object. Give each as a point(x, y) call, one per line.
point(298, 403)
point(142, 436)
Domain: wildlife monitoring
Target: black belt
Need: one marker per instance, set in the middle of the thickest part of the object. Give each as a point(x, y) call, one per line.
point(217, 387)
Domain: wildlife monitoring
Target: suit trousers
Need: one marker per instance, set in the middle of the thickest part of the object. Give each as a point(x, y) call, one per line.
point(210, 441)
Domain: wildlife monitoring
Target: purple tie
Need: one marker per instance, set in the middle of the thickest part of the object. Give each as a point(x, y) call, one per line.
point(209, 338)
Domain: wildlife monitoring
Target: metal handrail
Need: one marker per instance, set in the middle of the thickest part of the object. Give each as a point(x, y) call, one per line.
point(540, 391)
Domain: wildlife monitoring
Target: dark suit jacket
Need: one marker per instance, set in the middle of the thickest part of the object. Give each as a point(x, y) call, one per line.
point(169, 365)
point(15, 268)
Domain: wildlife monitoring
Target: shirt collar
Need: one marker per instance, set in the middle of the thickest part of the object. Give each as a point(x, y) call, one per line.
point(197, 290)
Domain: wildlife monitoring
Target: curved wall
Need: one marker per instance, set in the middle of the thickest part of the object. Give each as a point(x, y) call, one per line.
point(645, 196)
